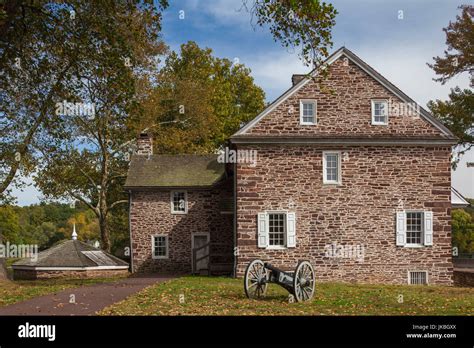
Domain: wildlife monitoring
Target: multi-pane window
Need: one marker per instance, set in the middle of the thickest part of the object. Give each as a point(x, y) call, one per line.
point(307, 112)
point(331, 167)
point(414, 227)
point(160, 247)
point(379, 112)
point(276, 229)
point(178, 202)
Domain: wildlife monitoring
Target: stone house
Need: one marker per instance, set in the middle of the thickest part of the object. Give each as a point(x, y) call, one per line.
point(350, 174)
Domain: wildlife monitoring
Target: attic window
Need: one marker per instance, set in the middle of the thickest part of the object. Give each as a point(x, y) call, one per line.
point(379, 112)
point(307, 112)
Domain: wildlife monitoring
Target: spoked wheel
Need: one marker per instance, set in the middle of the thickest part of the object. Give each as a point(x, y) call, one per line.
point(303, 281)
point(255, 281)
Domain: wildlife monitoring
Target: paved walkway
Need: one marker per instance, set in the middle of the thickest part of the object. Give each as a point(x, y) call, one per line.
point(89, 299)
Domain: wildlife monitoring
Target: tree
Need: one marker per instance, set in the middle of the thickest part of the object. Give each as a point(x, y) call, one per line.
point(463, 231)
point(302, 24)
point(41, 44)
point(90, 161)
point(209, 95)
point(457, 113)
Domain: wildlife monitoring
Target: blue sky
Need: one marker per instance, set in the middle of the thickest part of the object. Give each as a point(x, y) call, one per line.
point(397, 48)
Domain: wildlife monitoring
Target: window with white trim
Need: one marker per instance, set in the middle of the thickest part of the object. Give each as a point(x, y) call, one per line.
point(331, 167)
point(179, 202)
point(160, 247)
point(276, 230)
point(307, 112)
point(414, 228)
point(379, 112)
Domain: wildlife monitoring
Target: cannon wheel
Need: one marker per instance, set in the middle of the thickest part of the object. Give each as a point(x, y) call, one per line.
point(304, 281)
point(255, 281)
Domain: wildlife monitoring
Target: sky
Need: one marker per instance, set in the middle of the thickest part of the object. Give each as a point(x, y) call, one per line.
point(396, 37)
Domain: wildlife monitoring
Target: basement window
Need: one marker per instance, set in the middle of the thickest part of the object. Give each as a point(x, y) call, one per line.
point(418, 278)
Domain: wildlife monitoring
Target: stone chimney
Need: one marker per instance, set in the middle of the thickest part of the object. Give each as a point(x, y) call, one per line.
point(297, 78)
point(145, 144)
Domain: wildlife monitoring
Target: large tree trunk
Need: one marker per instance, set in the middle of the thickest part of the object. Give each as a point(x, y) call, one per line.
point(3, 267)
point(104, 233)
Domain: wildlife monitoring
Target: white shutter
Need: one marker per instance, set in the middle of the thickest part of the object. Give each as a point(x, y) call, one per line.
point(262, 230)
point(401, 228)
point(291, 230)
point(428, 228)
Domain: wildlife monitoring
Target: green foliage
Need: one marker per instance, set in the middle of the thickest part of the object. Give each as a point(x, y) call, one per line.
point(46, 224)
point(199, 101)
point(459, 56)
point(463, 231)
point(297, 24)
point(457, 113)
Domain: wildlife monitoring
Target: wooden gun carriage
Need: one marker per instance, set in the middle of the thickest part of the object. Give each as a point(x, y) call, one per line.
point(299, 283)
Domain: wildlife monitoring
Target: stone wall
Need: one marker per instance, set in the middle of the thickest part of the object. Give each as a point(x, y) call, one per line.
point(464, 277)
point(150, 214)
point(21, 274)
point(343, 109)
point(376, 182)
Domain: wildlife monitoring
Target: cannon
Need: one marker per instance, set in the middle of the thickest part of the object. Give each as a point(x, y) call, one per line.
point(299, 283)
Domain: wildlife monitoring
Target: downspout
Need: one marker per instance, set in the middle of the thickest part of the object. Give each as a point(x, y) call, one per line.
point(130, 228)
point(235, 251)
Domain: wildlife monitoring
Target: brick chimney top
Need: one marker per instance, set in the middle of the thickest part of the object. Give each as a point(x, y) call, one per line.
point(145, 144)
point(297, 78)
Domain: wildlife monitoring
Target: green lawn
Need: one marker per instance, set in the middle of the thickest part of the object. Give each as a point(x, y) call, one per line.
point(16, 291)
point(194, 295)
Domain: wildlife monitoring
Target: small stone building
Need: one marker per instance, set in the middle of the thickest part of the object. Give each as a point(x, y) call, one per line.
point(70, 259)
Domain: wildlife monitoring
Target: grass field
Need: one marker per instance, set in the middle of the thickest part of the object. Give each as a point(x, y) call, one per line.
point(194, 295)
point(16, 291)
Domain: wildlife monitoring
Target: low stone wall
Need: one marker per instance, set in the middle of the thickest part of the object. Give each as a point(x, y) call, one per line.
point(21, 274)
point(464, 277)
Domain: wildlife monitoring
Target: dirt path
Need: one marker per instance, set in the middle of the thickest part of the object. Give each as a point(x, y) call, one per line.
point(88, 299)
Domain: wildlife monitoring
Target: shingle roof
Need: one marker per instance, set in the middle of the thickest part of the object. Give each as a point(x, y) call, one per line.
point(71, 253)
point(173, 171)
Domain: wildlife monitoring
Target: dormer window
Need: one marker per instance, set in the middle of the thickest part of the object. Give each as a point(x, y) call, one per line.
point(307, 112)
point(379, 112)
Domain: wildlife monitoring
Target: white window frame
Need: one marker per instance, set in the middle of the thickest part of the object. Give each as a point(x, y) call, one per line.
point(315, 105)
point(155, 257)
point(339, 170)
point(285, 237)
point(422, 237)
point(372, 102)
point(185, 202)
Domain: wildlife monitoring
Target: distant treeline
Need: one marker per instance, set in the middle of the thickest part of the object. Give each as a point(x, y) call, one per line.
point(45, 224)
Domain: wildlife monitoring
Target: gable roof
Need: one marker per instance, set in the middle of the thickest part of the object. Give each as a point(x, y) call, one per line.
point(343, 51)
point(457, 199)
point(71, 254)
point(173, 171)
